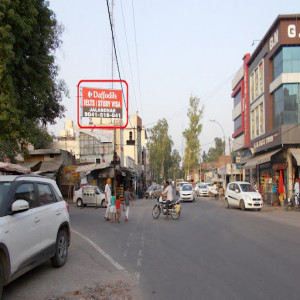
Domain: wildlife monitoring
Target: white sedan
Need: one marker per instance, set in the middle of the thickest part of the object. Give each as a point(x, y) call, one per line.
point(187, 193)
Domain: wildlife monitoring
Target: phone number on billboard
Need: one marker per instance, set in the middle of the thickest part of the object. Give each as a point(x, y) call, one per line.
point(102, 115)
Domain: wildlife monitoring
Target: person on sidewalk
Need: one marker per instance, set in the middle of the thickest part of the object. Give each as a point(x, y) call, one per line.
point(113, 211)
point(296, 191)
point(107, 199)
point(168, 191)
point(118, 208)
point(127, 198)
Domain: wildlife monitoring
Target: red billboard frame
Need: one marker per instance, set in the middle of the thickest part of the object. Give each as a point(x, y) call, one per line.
point(106, 81)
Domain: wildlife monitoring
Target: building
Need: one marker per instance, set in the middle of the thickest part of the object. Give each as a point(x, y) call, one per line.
point(271, 109)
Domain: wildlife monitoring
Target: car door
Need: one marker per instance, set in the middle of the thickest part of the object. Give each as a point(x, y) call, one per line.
point(236, 195)
point(51, 215)
point(24, 229)
point(230, 194)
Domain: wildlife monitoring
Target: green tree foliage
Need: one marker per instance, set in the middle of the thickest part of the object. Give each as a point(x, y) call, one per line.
point(174, 169)
point(191, 135)
point(214, 152)
point(160, 149)
point(30, 93)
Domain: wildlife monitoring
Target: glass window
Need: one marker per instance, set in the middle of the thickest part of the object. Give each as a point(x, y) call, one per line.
point(4, 187)
point(287, 60)
point(286, 108)
point(261, 118)
point(26, 192)
point(237, 98)
point(45, 193)
point(238, 123)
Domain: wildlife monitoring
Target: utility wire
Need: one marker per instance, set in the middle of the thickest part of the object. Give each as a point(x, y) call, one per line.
point(114, 44)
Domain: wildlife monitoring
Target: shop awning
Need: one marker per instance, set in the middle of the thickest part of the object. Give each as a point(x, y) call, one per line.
point(13, 168)
point(91, 167)
point(260, 159)
point(50, 166)
point(296, 154)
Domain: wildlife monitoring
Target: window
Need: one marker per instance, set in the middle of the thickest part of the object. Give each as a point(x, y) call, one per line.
point(287, 60)
point(237, 98)
point(238, 123)
point(257, 121)
point(257, 82)
point(45, 193)
point(286, 108)
point(26, 192)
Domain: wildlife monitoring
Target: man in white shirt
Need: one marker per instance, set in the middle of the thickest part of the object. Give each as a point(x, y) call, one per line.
point(107, 199)
point(168, 191)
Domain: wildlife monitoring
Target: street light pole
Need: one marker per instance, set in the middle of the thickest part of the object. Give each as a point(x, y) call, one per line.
point(214, 121)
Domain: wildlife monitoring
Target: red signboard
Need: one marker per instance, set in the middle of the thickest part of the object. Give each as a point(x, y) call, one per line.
point(102, 103)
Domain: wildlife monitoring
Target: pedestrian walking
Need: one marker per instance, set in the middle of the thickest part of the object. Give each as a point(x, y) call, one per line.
point(112, 209)
point(296, 191)
point(127, 198)
point(118, 208)
point(107, 199)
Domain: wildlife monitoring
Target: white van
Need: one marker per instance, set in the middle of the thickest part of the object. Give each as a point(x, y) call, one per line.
point(89, 195)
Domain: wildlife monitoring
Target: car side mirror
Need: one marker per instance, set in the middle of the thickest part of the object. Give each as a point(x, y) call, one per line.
point(19, 206)
point(237, 191)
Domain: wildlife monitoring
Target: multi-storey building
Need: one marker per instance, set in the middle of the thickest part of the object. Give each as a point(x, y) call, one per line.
point(271, 108)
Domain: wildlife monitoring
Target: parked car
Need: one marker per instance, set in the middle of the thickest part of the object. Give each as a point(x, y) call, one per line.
point(202, 190)
point(149, 192)
point(157, 190)
point(187, 193)
point(243, 195)
point(210, 186)
point(89, 195)
point(35, 225)
point(179, 186)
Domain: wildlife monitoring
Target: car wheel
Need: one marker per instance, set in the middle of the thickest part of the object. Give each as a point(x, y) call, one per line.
point(103, 204)
point(79, 202)
point(242, 205)
point(61, 250)
point(1, 280)
point(226, 203)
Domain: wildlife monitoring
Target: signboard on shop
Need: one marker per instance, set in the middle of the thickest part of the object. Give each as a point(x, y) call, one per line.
point(102, 103)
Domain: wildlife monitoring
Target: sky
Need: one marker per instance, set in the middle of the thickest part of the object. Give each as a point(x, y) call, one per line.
point(168, 51)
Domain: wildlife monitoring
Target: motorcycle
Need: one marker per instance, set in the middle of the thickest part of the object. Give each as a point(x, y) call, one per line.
point(160, 207)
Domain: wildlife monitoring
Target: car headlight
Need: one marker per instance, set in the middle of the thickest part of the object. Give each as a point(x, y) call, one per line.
point(247, 197)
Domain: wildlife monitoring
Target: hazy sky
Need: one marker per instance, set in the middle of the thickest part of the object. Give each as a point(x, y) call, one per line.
point(168, 50)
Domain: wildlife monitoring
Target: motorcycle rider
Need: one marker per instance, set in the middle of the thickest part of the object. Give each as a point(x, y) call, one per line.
point(168, 191)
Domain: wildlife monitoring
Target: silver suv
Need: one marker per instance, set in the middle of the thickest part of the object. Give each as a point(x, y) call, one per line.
point(34, 225)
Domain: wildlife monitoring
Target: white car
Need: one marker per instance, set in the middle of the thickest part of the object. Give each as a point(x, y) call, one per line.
point(89, 195)
point(243, 195)
point(34, 225)
point(202, 190)
point(179, 186)
point(187, 193)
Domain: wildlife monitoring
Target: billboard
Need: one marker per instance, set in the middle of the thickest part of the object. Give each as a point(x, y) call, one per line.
point(107, 107)
point(102, 103)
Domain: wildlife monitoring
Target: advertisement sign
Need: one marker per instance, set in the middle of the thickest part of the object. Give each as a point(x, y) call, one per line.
point(108, 106)
point(102, 103)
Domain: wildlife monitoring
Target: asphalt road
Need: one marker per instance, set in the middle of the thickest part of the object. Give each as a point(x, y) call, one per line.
point(209, 253)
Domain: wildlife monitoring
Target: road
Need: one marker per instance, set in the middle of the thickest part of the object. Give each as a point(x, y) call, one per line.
point(209, 253)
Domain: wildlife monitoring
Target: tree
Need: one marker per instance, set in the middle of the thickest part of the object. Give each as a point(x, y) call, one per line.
point(204, 157)
point(174, 169)
point(214, 152)
point(30, 93)
point(160, 149)
point(191, 135)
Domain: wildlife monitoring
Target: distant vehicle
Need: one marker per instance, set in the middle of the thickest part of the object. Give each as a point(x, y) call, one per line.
point(202, 190)
point(243, 195)
point(89, 195)
point(179, 186)
point(153, 191)
point(187, 193)
point(211, 186)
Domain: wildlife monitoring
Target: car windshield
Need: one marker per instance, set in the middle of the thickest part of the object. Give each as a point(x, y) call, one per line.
point(247, 188)
point(187, 188)
point(203, 186)
point(4, 187)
